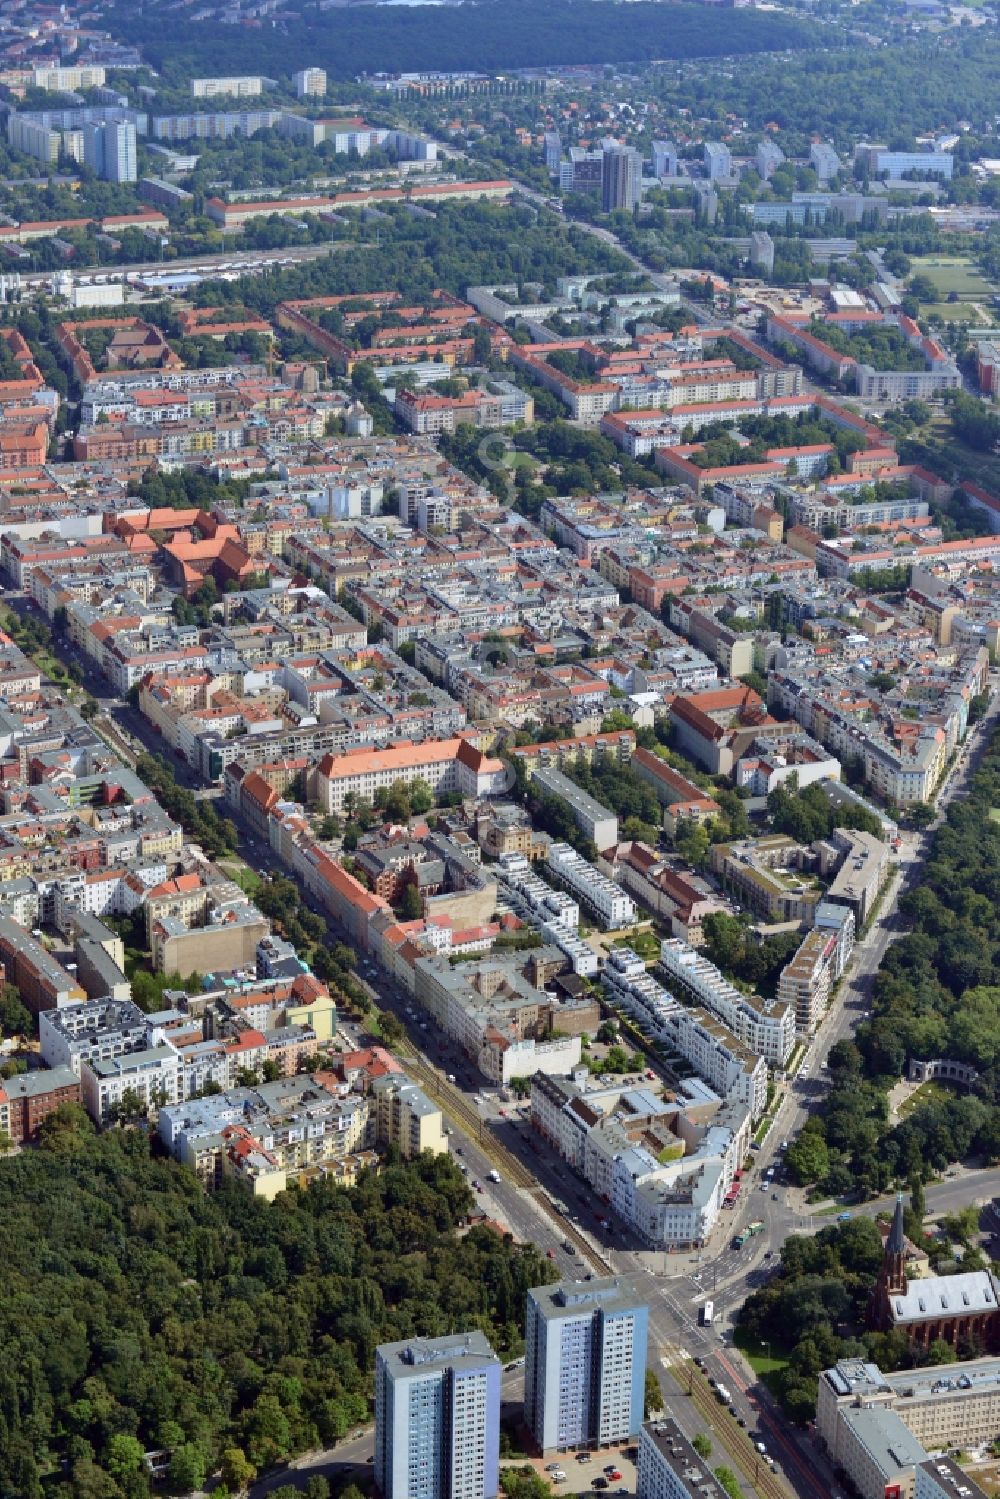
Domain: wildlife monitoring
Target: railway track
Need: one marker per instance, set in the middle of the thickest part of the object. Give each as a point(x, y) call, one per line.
point(454, 1103)
point(754, 1470)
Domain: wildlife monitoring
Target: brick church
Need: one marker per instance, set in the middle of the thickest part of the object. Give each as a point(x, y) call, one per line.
point(962, 1310)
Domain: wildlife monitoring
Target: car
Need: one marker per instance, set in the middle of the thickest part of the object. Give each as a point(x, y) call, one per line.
point(550, 1254)
point(615, 1476)
point(584, 1457)
point(458, 1150)
point(774, 1196)
point(733, 1411)
point(476, 1185)
point(452, 1078)
point(358, 1435)
point(761, 1448)
point(600, 1483)
point(502, 1113)
point(558, 1477)
point(552, 1468)
point(742, 1421)
point(370, 1460)
point(608, 1469)
point(568, 1247)
point(699, 1363)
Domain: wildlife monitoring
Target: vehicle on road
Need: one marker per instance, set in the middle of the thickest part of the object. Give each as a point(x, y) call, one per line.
point(750, 1232)
point(584, 1457)
point(550, 1254)
point(495, 1175)
point(707, 1314)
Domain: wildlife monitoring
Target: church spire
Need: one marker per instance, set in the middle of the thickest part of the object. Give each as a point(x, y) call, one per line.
point(895, 1243)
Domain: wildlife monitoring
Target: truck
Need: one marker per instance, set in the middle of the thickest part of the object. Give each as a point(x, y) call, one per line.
point(750, 1232)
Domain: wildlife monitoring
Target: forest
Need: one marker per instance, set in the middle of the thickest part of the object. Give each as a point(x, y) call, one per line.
point(882, 94)
point(937, 994)
point(484, 37)
point(141, 1313)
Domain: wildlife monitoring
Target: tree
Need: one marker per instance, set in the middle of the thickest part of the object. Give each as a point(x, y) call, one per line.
point(123, 1456)
point(411, 906)
point(237, 1471)
point(652, 1394)
point(392, 1028)
point(729, 1481)
point(421, 797)
point(702, 1444)
point(808, 1158)
point(187, 1468)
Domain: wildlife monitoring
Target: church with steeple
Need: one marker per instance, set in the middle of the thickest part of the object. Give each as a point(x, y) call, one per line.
point(960, 1310)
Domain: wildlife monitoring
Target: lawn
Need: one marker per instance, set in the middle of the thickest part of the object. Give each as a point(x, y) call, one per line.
point(953, 273)
point(959, 312)
point(926, 1093)
point(995, 814)
point(766, 1360)
point(247, 879)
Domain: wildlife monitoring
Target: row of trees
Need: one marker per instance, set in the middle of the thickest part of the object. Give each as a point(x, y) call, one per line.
point(140, 1313)
point(199, 819)
point(937, 994)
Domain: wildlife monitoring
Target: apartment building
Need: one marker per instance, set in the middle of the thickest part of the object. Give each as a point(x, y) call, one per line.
point(608, 901)
point(245, 87)
point(669, 1467)
point(406, 1118)
point(305, 1124)
point(151, 1079)
point(808, 977)
point(595, 821)
point(500, 1018)
point(880, 1427)
point(42, 983)
point(729, 1067)
point(766, 1026)
point(310, 83)
point(68, 80)
point(585, 1363)
point(30, 1097)
point(942, 1478)
point(437, 1418)
point(760, 874)
point(446, 765)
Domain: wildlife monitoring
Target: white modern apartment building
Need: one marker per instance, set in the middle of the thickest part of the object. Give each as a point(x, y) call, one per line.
point(310, 83)
point(437, 1418)
point(556, 913)
point(154, 1077)
point(717, 1055)
point(247, 86)
point(766, 1026)
point(608, 901)
point(63, 80)
point(585, 1362)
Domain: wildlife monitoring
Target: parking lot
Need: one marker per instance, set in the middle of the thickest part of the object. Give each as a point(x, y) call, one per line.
point(586, 1472)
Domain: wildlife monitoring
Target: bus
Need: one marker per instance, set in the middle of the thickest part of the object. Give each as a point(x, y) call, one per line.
point(707, 1314)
